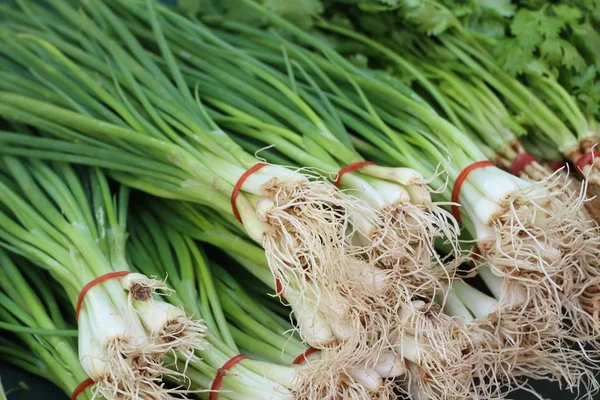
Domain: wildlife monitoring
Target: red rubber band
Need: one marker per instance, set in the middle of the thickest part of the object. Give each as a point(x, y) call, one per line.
point(520, 162)
point(351, 168)
point(91, 284)
point(460, 179)
point(279, 289)
point(82, 387)
point(238, 187)
point(586, 159)
point(556, 165)
point(221, 373)
point(304, 356)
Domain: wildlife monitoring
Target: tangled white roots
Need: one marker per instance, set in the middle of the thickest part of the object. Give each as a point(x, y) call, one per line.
point(544, 242)
point(438, 352)
point(130, 374)
point(405, 243)
point(309, 239)
point(333, 378)
point(130, 362)
point(323, 275)
point(537, 238)
point(525, 344)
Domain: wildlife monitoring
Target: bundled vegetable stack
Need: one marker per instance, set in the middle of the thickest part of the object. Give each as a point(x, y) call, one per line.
point(334, 171)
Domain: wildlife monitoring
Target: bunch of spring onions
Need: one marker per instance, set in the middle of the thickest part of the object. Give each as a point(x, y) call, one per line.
point(71, 226)
point(437, 353)
point(159, 138)
point(176, 108)
point(435, 350)
point(42, 341)
point(288, 368)
point(165, 252)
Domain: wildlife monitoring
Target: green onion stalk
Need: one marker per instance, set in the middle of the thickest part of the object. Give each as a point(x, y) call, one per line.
point(116, 98)
point(37, 337)
point(70, 225)
point(246, 324)
point(471, 105)
point(161, 251)
point(432, 344)
point(570, 131)
point(260, 104)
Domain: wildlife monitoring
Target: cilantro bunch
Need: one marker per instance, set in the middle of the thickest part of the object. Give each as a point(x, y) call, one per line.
point(557, 39)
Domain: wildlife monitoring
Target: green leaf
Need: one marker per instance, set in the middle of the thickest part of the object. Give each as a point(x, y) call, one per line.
point(538, 66)
point(428, 17)
point(586, 78)
point(571, 57)
point(514, 59)
point(524, 27)
point(568, 14)
point(501, 7)
point(551, 50)
point(550, 27)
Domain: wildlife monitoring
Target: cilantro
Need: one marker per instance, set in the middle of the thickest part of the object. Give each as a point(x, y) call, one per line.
point(502, 8)
point(586, 87)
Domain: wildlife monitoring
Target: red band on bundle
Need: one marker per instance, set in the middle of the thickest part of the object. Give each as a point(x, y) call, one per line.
point(351, 168)
point(97, 281)
point(556, 165)
point(238, 187)
point(221, 373)
point(460, 179)
point(279, 289)
point(304, 356)
point(81, 388)
point(586, 159)
point(520, 162)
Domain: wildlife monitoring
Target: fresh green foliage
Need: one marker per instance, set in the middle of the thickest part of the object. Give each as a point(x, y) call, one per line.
point(527, 38)
point(558, 39)
point(538, 36)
